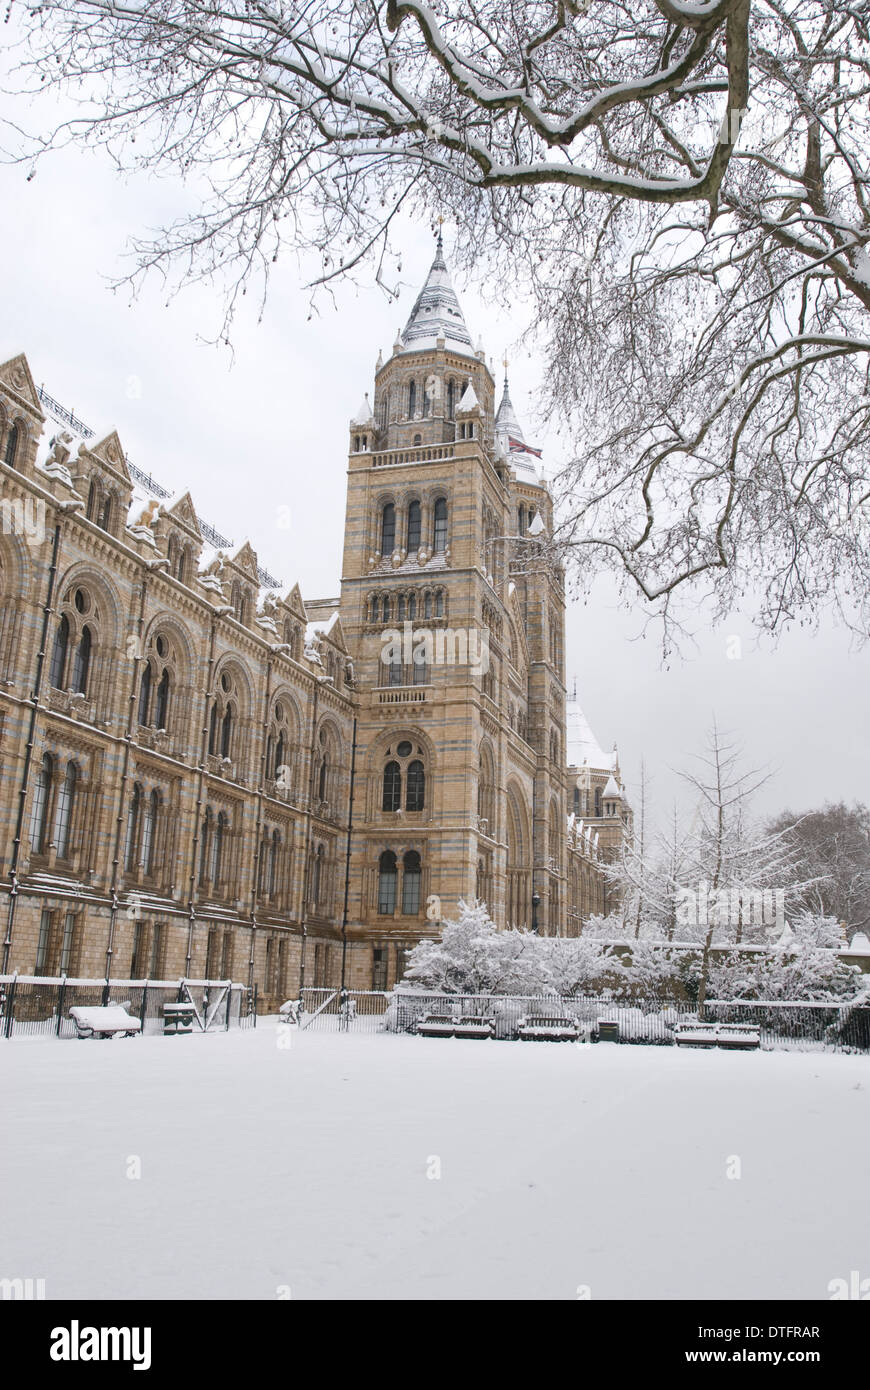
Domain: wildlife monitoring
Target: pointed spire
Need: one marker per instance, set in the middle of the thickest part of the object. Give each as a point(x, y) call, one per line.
point(437, 312)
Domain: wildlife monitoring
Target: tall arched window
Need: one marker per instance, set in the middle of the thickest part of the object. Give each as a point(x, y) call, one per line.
point(411, 875)
point(414, 533)
point(82, 663)
point(386, 609)
point(132, 835)
point(183, 565)
point(205, 836)
point(415, 794)
point(392, 798)
point(388, 529)
point(412, 399)
point(144, 693)
point(12, 445)
point(161, 704)
point(58, 654)
point(149, 822)
point(93, 499)
point(387, 876)
point(212, 729)
point(227, 732)
point(274, 847)
point(412, 606)
point(217, 850)
point(63, 815)
point(439, 603)
point(39, 810)
point(323, 778)
point(317, 876)
point(598, 801)
point(105, 518)
point(451, 399)
point(439, 535)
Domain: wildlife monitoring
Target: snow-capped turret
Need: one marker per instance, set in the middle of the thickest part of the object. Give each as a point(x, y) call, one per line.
point(436, 313)
point(511, 440)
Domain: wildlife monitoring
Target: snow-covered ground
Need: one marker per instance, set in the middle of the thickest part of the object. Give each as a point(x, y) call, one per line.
point(309, 1171)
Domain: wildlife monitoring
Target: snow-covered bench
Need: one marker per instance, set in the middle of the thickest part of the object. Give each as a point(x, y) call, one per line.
point(104, 1021)
point(548, 1028)
point(456, 1026)
point(731, 1035)
point(474, 1026)
point(436, 1026)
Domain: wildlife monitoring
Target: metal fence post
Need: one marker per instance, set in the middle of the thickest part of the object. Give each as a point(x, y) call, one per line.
point(255, 1003)
point(10, 1005)
point(61, 991)
point(229, 1003)
point(143, 1007)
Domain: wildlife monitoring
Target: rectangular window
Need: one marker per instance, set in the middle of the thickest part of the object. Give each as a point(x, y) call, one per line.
point(140, 951)
point(69, 946)
point(379, 967)
point(396, 673)
point(421, 673)
point(43, 949)
point(227, 957)
point(158, 952)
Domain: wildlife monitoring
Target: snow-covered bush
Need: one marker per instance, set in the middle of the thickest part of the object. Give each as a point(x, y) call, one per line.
point(803, 965)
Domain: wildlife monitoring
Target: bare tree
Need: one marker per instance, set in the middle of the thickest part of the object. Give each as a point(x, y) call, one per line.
point(681, 184)
point(833, 845)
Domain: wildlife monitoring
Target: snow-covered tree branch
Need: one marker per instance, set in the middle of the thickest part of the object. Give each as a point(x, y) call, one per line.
point(683, 187)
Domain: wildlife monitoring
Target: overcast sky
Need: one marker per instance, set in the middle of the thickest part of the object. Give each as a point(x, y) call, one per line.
point(266, 429)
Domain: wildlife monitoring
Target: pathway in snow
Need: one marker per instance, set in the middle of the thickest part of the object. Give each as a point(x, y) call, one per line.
point(561, 1167)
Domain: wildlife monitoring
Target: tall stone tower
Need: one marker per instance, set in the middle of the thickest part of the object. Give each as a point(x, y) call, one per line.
point(456, 628)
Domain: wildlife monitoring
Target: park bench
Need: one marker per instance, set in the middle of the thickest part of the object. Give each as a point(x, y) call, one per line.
point(728, 1035)
point(474, 1026)
point(104, 1021)
point(436, 1026)
point(548, 1028)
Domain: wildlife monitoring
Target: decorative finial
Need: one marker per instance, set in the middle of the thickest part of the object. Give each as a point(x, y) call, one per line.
point(440, 246)
point(504, 362)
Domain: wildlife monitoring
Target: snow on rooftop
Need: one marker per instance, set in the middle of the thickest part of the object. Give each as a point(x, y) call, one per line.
point(583, 749)
point(469, 400)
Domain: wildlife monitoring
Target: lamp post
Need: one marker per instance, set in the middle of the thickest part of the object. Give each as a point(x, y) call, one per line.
point(536, 898)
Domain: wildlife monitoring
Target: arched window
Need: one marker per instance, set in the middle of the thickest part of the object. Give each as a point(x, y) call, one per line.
point(93, 499)
point(227, 732)
point(317, 876)
point(39, 810)
point(59, 651)
point(439, 536)
point(212, 728)
point(374, 609)
point(323, 778)
point(415, 794)
point(105, 518)
point(12, 445)
point(82, 663)
point(421, 672)
point(400, 611)
point(274, 847)
point(521, 520)
point(427, 605)
point(145, 693)
point(428, 391)
point(161, 705)
point(133, 812)
point(412, 399)
point(388, 529)
point(205, 836)
point(385, 609)
point(414, 522)
point(598, 801)
point(451, 399)
point(387, 876)
point(280, 751)
point(576, 801)
point(392, 798)
point(149, 822)
point(217, 849)
point(396, 675)
point(412, 606)
point(411, 883)
point(172, 554)
point(63, 814)
point(439, 603)
point(181, 569)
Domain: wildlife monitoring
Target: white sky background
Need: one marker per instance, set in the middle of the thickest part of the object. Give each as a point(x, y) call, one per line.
point(267, 429)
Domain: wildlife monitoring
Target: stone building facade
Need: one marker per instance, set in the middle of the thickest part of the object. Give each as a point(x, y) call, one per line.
point(204, 778)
